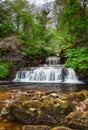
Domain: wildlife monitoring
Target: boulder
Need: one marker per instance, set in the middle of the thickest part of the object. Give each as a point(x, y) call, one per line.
point(75, 98)
point(82, 106)
point(25, 115)
point(21, 115)
point(78, 120)
point(78, 96)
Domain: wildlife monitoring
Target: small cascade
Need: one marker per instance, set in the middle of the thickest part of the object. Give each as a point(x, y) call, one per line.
point(40, 74)
point(53, 60)
point(71, 77)
point(51, 72)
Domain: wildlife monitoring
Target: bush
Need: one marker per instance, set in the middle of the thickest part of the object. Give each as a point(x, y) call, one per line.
point(77, 58)
point(3, 71)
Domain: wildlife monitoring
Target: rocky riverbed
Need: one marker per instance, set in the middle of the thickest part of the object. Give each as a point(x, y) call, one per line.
point(27, 109)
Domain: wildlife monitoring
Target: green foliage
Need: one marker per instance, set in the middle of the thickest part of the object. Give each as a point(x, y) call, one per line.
point(19, 19)
point(6, 29)
point(74, 30)
point(77, 58)
point(3, 69)
point(75, 21)
point(36, 38)
point(6, 25)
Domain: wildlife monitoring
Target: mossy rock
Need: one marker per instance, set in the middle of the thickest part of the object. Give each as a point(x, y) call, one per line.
point(61, 103)
point(78, 120)
point(79, 96)
point(31, 104)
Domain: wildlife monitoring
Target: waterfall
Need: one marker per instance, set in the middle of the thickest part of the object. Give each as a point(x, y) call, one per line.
point(71, 76)
point(53, 60)
point(51, 72)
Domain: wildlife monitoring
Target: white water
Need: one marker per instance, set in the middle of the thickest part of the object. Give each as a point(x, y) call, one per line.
point(48, 73)
point(53, 60)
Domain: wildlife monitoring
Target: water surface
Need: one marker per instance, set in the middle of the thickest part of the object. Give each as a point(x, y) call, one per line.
point(61, 87)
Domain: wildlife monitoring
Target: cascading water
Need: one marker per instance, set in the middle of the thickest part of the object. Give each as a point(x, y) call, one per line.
point(53, 60)
point(52, 72)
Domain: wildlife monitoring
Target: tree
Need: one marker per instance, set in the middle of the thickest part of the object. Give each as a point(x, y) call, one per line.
point(75, 33)
point(6, 25)
point(58, 8)
point(75, 22)
point(18, 9)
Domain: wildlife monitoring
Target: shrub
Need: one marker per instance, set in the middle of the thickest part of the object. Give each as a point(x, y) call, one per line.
point(77, 58)
point(3, 71)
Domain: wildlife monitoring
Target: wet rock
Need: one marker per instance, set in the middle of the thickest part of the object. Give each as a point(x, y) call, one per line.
point(40, 127)
point(46, 108)
point(8, 101)
point(1, 117)
point(54, 95)
point(19, 92)
point(21, 115)
point(44, 97)
point(45, 119)
point(63, 107)
point(61, 128)
point(62, 103)
point(50, 107)
point(14, 91)
point(31, 104)
point(4, 112)
point(79, 96)
point(49, 111)
point(2, 128)
point(39, 93)
point(82, 106)
point(75, 98)
point(78, 120)
point(30, 116)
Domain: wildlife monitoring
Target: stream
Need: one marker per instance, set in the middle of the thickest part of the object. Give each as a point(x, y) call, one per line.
point(61, 87)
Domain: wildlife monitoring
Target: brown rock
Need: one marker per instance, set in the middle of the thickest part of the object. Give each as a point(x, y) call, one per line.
point(78, 97)
point(31, 104)
point(78, 120)
point(38, 127)
point(2, 128)
point(20, 115)
point(61, 128)
point(82, 106)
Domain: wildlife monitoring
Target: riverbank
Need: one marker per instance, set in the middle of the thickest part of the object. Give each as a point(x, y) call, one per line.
point(23, 108)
